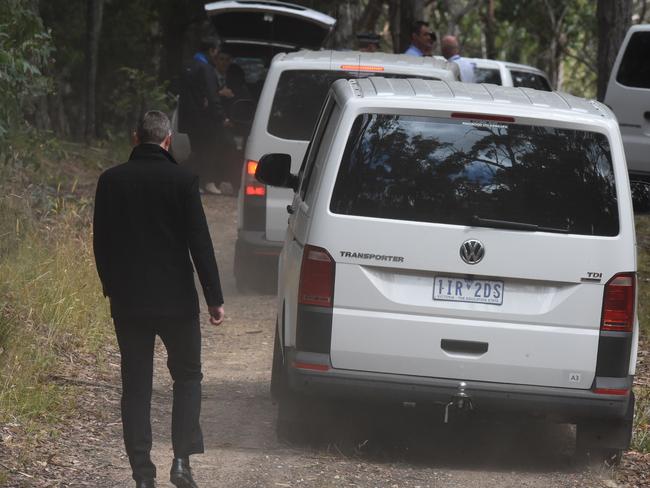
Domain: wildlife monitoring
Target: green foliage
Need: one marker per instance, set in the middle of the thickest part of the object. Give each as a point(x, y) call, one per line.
point(641, 437)
point(25, 49)
point(51, 304)
point(134, 94)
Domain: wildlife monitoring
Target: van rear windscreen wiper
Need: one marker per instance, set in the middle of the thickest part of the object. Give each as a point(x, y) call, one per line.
point(507, 224)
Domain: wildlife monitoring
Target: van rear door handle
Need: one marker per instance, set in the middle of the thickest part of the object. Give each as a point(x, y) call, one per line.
point(647, 116)
point(463, 347)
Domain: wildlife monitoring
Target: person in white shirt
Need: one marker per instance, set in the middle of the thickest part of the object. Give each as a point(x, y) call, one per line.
point(451, 51)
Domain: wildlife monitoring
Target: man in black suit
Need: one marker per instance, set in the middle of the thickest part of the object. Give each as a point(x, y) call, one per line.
point(148, 221)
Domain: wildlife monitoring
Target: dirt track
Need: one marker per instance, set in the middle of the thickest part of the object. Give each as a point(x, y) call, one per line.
point(367, 449)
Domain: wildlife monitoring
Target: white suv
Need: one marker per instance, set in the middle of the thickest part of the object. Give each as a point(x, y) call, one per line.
point(294, 90)
point(460, 244)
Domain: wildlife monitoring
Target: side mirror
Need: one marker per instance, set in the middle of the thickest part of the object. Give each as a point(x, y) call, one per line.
point(275, 170)
point(242, 111)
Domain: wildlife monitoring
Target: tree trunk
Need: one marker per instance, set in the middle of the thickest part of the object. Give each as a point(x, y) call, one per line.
point(348, 14)
point(410, 12)
point(94, 10)
point(370, 16)
point(456, 10)
point(614, 19)
point(489, 21)
point(394, 15)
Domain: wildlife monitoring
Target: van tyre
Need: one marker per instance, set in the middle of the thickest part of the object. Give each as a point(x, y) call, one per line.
point(278, 374)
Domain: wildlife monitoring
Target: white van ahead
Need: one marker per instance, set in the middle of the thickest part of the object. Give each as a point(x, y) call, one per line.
point(628, 95)
point(509, 74)
point(294, 90)
point(464, 245)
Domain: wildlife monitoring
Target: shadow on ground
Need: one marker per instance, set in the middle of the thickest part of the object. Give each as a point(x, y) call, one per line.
point(245, 418)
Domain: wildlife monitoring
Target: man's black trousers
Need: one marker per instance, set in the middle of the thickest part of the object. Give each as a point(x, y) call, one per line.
point(182, 338)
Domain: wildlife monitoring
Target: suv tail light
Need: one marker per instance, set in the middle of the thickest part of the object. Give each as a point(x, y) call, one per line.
point(253, 187)
point(618, 303)
point(316, 278)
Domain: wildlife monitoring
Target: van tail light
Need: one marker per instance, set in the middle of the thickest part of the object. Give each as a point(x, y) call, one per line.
point(316, 278)
point(618, 303)
point(252, 187)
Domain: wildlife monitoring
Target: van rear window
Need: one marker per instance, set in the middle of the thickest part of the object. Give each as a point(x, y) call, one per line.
point(300, 95)
point(479, 173)
point(487, 75)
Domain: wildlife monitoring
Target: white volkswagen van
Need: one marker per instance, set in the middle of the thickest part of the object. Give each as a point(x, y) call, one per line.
point(628, 95)
point(465, 245)
point(294, 90)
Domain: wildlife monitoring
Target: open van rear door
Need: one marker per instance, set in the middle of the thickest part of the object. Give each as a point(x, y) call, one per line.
point(277, 24)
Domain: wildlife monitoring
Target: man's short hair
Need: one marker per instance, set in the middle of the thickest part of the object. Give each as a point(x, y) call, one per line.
point(153, 127)
point(208, 43)
point(417, 27)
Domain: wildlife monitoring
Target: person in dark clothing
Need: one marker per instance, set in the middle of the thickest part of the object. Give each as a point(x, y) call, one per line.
point(148, 221)
point(232, 88)
point(201, 114)
point(368, 42)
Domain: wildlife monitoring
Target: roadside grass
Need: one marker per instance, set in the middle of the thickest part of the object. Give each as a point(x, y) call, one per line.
point(51, 305)
point(641, 439)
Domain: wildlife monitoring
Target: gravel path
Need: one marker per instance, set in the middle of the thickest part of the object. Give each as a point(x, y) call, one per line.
point(367, 448)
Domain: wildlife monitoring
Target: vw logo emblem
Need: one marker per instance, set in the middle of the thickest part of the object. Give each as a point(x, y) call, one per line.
point(472, 251)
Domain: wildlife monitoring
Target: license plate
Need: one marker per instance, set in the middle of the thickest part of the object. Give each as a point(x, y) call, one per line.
point(450, 289)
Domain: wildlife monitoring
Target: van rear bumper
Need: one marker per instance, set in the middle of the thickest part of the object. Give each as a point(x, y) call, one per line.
point(252, 250)
point(561, 404)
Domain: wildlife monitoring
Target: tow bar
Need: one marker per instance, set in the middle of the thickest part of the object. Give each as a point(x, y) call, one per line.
point(460, 400)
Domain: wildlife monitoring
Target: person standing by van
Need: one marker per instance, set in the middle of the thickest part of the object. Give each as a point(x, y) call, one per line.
point(451, 51)
point(201, 114)
point(423, 41)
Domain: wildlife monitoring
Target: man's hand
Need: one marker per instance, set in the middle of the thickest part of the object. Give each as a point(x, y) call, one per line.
point(216, 314)
point(226, 92)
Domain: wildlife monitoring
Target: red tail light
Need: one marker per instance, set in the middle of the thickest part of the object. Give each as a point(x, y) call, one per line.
point(611, 391)
point(253, 187)
point(255, 190)
point(316, 278)
point(618, 303)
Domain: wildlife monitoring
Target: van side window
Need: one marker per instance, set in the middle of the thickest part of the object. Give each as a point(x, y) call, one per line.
point(312, 151)
point(635, 69)
point(527, 79)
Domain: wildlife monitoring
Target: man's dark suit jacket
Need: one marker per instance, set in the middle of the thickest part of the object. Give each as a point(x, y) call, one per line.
point(148, 220)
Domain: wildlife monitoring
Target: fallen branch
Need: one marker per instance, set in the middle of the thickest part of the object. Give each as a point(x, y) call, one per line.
point(15, 471)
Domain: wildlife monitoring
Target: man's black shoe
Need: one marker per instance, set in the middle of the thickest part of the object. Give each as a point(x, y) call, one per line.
point(146, 483)
point(181, 474)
